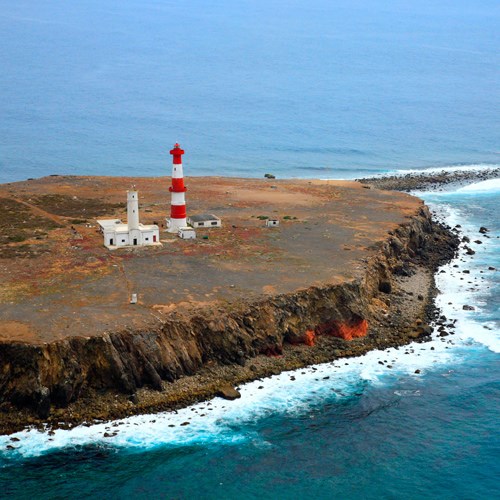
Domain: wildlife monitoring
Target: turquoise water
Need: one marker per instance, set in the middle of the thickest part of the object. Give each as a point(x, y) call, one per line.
point(334, 89)
point(431, 437)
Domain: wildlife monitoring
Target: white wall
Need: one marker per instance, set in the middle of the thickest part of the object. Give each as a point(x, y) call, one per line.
point(147, 236)
point(127, 239)
point(206, 224)
point(187, 235)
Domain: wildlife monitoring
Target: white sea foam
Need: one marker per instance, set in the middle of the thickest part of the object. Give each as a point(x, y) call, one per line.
point(490, 185)
point(470, 290)
point(227, 422)
point(477, 167)
point(472, 287)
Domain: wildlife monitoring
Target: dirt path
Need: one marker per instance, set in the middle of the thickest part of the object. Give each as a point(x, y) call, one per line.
point(39, 211)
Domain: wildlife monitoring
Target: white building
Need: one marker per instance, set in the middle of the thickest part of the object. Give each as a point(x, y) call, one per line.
point(187, 233)
point(116, 234)
point(272, 222)
point(204, 220)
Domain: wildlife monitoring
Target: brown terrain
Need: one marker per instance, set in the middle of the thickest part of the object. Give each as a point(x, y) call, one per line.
point(242, 301)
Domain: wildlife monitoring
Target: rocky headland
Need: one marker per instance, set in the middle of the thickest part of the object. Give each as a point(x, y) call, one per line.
point(350, 269)
point(432, 181)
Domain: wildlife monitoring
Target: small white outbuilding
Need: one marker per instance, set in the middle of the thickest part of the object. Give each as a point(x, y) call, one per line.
point(272, 222)
point(204, 220)
point(187, 233)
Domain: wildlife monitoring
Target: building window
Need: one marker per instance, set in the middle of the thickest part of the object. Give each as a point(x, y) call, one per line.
point(123, 241)
point(214, 223)
point(201, 223)
point(147, 239)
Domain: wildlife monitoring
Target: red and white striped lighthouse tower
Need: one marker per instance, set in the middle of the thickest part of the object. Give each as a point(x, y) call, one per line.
point(178, 203)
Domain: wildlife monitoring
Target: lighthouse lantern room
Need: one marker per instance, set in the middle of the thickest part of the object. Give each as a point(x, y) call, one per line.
point(178, 202)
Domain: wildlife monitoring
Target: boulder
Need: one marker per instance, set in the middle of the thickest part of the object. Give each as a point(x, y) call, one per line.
point(296, 337)
point(385, 286)
point(227, 391)
point(423, 330)
point(43, 406)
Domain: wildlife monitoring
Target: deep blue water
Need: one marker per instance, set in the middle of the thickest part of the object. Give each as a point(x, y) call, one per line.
point(298, 88)
point(333, 89)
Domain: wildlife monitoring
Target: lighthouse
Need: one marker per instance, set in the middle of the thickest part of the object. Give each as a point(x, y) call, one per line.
point(132, 210)
point(178, 201)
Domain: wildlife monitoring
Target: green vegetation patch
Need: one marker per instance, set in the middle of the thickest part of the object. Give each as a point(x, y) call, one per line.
point(72, 206)
point(23, 251)
point(18, 222)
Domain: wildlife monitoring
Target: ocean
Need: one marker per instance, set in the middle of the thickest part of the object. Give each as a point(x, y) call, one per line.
point(328, 89)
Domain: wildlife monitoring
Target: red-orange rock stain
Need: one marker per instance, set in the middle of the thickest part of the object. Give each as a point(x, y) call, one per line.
point(309, 338)
point(344, 330)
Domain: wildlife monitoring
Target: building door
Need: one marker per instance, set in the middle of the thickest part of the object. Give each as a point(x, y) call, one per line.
point(135, 241)
point(111, 242)
point(154, 238)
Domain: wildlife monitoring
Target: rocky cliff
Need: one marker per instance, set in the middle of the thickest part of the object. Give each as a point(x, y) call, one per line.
point(39, 378)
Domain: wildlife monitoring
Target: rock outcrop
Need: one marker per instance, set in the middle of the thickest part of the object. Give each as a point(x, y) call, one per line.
point(424, 181)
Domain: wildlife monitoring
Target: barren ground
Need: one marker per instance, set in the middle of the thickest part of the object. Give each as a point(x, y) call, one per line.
point(59, 280)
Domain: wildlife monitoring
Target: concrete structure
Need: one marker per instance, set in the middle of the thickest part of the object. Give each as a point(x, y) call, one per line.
point(178, 201)
point(187, 233)
point(272, 222)
point(204, 220)
point(116, 234)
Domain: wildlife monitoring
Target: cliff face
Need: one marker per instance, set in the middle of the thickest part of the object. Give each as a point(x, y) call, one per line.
point(54, 374)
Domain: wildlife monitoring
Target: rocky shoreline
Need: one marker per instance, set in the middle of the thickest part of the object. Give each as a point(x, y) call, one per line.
point(435, 181)
point(189, 359)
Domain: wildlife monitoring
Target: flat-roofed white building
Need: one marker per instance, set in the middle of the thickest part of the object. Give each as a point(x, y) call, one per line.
point(204, 220)
point(117, 234)
point(187, 233)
